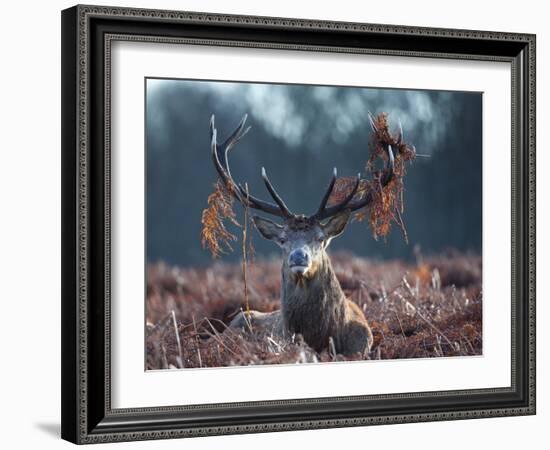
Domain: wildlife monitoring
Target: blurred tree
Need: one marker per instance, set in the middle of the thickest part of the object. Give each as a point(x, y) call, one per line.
point(299, 133)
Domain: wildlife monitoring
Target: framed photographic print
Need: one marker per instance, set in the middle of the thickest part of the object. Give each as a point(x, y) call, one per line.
point(282, 224)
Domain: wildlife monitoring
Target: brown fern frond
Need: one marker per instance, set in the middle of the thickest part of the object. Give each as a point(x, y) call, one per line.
point(387, 204)
point(342, 188)
point(404, 152)
point(214, 235)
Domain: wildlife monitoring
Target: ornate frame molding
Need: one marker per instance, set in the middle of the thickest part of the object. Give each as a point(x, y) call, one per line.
point(83, 421)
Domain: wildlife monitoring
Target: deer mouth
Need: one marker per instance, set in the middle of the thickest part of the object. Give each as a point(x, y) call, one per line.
point(299, 270)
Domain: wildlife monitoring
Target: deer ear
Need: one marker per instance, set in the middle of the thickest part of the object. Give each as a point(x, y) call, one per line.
point(336, 224)
point(268, 229)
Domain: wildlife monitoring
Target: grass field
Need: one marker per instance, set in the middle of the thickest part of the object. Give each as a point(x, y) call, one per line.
point(429, 308)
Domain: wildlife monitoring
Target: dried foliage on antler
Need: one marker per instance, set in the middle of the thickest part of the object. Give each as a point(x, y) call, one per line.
point(386, 205)
point(215, 236)
point(379, 198)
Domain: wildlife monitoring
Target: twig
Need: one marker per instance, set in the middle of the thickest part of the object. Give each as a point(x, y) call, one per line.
point(221, 322)
point(228, 332)
point(220, 341)
point(400, 325)
point(179, 359)
point(384, 293)
point(436, 280)
point(431, 325)
point(410, 309)
point(437, 348)
point(469, 343)
point(247, 320)
point(332, 348)
point(163, 354)
point(216, 337)
point(196, 343)
point(270, 339)
point(402, 227)
point(409, 288)
point(159, 324)
point(244, 263)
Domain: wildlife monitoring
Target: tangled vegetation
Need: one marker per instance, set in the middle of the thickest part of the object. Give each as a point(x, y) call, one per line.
point(434, 310)
point(430, 308)
point(385, 208)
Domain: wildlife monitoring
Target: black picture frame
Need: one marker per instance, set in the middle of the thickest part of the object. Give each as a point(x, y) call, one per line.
point(87, 32)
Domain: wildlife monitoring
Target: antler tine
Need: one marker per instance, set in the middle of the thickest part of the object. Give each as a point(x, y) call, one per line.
point(328, 192)
point(222, 171)
point(399, 139)
point(225, 174)
point(387, 177)
point(323, 212)
point(235, 137)
point(274, 194)
point(372, 122)
point(335, 209)
point(262, 205)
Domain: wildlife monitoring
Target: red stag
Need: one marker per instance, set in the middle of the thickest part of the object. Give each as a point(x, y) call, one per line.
point(313, 303)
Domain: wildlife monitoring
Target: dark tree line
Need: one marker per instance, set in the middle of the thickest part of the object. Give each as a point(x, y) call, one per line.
point(299, 133)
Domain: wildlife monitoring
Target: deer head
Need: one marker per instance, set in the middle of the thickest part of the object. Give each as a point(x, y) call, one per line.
point(303, 239)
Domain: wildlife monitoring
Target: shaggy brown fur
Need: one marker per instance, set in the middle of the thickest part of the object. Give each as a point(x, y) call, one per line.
point(313, 303)
point(317, 308)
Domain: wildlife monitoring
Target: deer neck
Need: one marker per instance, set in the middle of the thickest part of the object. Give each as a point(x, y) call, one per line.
point(313, 307)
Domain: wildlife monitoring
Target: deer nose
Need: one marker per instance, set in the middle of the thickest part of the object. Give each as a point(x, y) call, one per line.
point(298, 258)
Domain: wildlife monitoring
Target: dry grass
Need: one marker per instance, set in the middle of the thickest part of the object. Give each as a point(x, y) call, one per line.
point(428, 309)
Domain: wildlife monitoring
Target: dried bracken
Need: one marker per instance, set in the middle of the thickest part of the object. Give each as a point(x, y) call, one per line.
point(215, 236)
point(435, 309)
point(387, 204)
point(385, 208)
point(379, 197)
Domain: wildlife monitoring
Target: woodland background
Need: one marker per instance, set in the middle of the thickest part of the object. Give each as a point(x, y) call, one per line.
point(299, 133)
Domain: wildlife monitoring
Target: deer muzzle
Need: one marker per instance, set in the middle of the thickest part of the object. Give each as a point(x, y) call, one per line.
point(299, 261)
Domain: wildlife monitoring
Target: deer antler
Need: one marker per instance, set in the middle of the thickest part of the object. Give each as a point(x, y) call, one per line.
point(221, 162)
point(323, 212)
